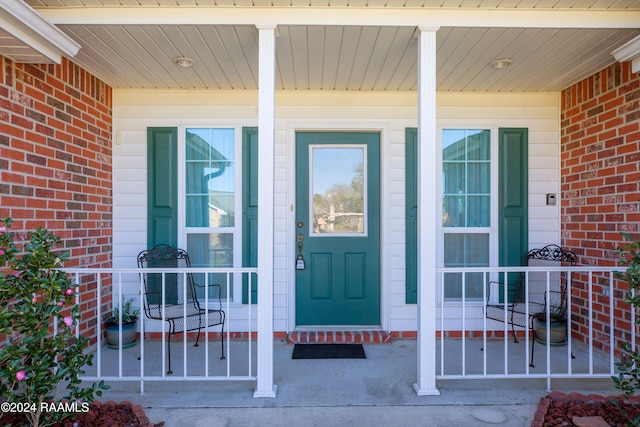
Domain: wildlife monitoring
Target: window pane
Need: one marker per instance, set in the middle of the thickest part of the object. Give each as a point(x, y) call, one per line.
point(454, 177)
point(478, 211)
point(453, 144)
point(479, 177)
point(466, 178)
point(478, 144)
point(454, 250)
point(210, 173)
point(338, 180)
point(211, 250)
point(465, 250)
point(453, 211)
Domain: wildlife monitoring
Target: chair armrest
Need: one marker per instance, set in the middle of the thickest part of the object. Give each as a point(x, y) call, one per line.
point(213, 285)
point(508, 285)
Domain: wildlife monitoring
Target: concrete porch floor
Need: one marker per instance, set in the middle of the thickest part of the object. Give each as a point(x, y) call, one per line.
point(377, 390)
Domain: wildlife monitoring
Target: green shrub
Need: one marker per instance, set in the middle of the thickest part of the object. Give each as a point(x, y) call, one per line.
point(628, 378)
point(37, 367)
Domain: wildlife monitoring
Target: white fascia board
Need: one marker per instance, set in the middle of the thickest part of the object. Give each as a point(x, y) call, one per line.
point(629, 51)
point(28, 26)
point(405, 17)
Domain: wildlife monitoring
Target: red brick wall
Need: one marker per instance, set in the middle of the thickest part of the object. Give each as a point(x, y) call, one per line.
point(56, 160)
point(600, 157)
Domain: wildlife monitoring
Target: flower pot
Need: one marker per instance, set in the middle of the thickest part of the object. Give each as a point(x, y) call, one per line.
point(557, 331)
point(129, 333)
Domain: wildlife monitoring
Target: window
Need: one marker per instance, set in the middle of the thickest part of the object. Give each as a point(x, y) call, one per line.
point(467, 206)
point(210, 201)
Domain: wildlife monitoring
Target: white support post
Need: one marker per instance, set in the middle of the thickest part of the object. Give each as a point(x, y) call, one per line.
point(427, 193)
point(266, 139)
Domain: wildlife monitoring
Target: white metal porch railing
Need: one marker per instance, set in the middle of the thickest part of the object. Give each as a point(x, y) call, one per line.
point(96, 288)
point(598, 320)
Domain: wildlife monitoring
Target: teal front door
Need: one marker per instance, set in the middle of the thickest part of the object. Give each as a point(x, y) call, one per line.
point(337, 228)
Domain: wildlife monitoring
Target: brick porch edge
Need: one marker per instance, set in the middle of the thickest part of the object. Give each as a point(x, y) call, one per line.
point(342, 337)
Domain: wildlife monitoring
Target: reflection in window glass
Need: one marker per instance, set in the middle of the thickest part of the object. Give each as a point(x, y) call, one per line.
point(465, 250)
point(466, 177)
point(211, 250)
point(466, 207)
point(338, 181)
point(210, 172)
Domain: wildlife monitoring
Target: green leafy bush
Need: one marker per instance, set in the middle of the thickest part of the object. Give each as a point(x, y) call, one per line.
point(38, 367)
point(628, 378)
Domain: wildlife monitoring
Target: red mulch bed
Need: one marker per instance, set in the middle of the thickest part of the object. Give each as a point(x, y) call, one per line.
point(108, 414)
point(558, 409)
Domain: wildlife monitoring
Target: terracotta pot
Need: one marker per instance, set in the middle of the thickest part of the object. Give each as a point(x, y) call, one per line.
point(129, 333)
point(558, 331)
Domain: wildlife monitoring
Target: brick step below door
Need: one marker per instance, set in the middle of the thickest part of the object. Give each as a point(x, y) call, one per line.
point(339, 337)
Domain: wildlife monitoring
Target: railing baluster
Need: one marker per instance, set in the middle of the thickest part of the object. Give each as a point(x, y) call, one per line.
point(527, 342)
point(184, 319)
point(164, 322)
point(464, 329)
point(142, 331)
point(505, 301)
point(569, 323)
point(206, 335)
point(249, 317)
point(612, 339)
point(120, 329)
point(228, 337)
point(484, 324)
point(590, 293)
point(548, 319)
point(442, 324)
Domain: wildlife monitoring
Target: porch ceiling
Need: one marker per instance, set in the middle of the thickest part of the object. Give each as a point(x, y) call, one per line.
point(339, 57)
point(489, 4)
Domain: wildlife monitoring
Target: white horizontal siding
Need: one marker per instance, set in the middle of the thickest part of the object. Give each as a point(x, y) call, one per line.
point(134, 111)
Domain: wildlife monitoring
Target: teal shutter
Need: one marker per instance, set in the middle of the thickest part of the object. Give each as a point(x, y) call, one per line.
point(411, 215)
point(162, 179)
point(513, 201)
point(162, 203)
point(249, 209)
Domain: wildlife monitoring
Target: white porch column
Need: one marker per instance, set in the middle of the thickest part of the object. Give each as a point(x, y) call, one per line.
point(427, 202)
point(266, 140)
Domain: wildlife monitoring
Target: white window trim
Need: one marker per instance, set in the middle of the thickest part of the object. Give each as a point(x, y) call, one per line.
point(494, 188)
point(183, 230)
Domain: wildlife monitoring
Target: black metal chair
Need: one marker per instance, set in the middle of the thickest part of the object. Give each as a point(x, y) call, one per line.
point(518, 314)
point(183, 312)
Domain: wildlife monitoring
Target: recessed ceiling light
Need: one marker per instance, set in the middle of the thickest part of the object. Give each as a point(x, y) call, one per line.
point(183, 61)
point(501, 63)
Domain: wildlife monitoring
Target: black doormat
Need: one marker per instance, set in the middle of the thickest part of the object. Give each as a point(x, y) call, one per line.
point(328, 351)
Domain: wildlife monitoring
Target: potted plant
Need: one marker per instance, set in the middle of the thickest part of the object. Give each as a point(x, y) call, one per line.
point(557, 325)
point(129, 319)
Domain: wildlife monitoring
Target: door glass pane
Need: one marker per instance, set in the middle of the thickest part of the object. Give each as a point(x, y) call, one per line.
point(210, 183)
point(338, 187)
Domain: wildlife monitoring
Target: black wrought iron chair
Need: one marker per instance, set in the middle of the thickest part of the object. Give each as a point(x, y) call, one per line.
point(518, 314)
point(183, 312)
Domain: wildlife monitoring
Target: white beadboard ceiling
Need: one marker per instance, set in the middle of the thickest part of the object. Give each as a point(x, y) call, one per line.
point(337, 57)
